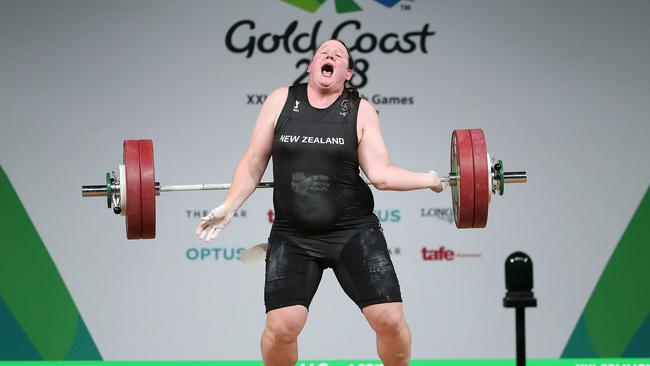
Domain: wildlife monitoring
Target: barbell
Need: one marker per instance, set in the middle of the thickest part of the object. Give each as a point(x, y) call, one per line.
point(131, 190)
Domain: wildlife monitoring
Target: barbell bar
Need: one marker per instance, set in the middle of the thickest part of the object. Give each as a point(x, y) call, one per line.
point(474, 178)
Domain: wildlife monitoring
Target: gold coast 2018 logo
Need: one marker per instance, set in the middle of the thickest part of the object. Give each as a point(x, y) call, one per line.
point(242, 38)
point(342, 6)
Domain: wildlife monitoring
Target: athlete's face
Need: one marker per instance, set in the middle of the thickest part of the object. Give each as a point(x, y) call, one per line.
point(329, 67)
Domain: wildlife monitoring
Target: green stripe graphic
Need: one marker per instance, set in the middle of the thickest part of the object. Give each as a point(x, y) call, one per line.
point(346, 6)
point(616, 317)
point(342, 6)
point(640, 343)
point(14, 344)
point(307, 5)
point(37, 310)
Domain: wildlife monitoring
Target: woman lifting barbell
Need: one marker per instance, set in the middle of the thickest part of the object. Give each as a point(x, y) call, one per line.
point(319, 134)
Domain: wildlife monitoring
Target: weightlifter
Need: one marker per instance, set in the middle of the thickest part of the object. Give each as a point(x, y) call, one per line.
point(319, 134)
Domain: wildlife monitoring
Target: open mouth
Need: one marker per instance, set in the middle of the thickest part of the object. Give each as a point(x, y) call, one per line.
point(327, 70)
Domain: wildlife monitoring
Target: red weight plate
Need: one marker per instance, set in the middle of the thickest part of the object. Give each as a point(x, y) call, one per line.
point(481, 176)
point(134, 208)
point(147, 189)
point(463, 199)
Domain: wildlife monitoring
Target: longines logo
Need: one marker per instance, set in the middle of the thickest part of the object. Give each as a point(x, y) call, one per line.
point(440, 213)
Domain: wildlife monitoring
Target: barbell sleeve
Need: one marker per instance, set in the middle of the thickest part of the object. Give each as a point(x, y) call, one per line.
point(515, 177)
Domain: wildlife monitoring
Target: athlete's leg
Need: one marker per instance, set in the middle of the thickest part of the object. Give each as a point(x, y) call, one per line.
point(280, 335)
point(393, 333)
point(292, 277)
point(365, 271)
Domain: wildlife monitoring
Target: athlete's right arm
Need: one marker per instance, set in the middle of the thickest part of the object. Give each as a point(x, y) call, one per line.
point(253, 164)
point(251, 167)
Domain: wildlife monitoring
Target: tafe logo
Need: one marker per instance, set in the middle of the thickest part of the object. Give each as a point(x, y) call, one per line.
point(342, 6)
point(440, 254)
point(444, 254)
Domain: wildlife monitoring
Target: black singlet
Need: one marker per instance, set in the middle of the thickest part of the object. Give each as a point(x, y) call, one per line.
point(323, 210)
point(317, 186)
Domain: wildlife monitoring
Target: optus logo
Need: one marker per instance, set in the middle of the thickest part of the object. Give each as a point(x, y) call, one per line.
point(388, 215)
point(214, 253)
point(342, 6)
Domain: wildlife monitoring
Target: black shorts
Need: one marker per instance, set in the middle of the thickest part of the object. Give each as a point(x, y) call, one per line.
point(362, 266)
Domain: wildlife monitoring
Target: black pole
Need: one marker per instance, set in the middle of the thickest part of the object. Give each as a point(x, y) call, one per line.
point(519, 283)
point(521, 335)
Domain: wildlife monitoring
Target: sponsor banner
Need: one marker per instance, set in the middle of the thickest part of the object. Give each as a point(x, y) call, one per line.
point(213, 254)
point(198, 214)
point(388, 215)
point(443, 254)
point(445, 214)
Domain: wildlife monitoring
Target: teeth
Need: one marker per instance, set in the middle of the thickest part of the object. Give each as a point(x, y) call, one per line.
point(327, 69)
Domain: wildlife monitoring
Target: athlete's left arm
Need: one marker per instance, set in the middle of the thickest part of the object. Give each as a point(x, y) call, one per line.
point(376, 164)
